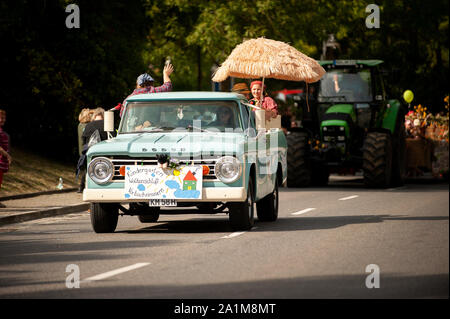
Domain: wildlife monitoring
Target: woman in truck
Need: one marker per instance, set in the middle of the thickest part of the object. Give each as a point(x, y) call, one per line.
point(267, 102)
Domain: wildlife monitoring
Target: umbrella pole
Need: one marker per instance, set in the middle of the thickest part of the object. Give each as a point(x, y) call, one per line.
point(307, 96)
point(262, 94)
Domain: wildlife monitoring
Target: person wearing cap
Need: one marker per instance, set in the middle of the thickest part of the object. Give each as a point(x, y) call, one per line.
point(144, 84)
point(241, 88)
point(267, 102)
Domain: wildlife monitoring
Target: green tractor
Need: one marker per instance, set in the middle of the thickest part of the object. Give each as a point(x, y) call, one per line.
point(348, 123)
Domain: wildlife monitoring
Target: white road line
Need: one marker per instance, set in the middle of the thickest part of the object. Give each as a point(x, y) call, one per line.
point(235, 234)
point(395, 188)
point(303, 211)
point(349, 197)
point(115, 272)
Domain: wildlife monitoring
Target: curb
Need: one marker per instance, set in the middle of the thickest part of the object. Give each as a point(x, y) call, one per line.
point(22, 217)
point(20, 196)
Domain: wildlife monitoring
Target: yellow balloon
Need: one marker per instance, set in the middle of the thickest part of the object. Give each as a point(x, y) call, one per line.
point(408, 96)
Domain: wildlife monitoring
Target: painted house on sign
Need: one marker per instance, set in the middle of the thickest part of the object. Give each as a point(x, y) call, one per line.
point(189, 182)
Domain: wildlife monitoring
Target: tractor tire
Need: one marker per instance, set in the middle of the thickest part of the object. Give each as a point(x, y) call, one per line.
point(104, 217)
point(377, 160)
point(267, 207)
point(399, 157)
point(299, 166)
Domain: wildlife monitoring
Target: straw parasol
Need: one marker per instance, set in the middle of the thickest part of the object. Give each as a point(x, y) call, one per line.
point(265, 58)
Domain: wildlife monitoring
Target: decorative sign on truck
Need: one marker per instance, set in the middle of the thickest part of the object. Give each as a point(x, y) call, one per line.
point(147, 182)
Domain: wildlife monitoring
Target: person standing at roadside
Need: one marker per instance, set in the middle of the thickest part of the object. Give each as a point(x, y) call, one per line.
point(5, 157)
point(96, 125)
point(144, 84)
point(84, 118)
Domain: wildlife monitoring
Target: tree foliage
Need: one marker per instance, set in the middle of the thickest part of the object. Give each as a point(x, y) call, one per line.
point(52, 71)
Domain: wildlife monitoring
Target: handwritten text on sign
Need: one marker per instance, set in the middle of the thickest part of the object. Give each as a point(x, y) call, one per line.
point(143, 182)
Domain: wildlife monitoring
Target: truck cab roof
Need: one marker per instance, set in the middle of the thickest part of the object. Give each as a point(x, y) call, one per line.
point(188, 95)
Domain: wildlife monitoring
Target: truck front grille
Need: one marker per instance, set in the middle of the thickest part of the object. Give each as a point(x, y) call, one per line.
point(152, 161)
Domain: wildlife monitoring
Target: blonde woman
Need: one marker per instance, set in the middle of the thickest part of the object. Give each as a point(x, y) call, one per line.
point(84, 118)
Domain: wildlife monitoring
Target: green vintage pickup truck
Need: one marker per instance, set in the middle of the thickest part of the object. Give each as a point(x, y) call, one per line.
point(193, 152)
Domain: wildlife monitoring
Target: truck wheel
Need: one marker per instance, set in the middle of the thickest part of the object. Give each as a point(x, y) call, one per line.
point(242, 214)
point(151, 215)
point(399, 157)
point(299, 172)
point(267, 208)
point(377, 160)
point(104, 217)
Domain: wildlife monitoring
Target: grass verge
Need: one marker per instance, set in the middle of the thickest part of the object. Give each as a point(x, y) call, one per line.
point(31, 173)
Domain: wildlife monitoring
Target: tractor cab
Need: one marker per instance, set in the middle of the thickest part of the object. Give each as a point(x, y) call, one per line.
point(343, 115)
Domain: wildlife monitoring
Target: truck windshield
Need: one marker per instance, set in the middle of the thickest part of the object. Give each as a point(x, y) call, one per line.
point(346, 85)
point(160, 116)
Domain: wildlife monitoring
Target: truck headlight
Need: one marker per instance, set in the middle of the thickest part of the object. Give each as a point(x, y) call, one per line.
point(101, 170)
point(228, 169)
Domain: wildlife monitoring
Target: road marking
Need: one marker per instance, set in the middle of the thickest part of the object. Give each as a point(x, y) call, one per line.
point(349, 197)
point(116, 272)
point(303, 211)
point(395, 188)
point(235, 234)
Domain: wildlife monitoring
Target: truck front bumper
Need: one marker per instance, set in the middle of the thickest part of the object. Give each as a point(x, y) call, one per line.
point(213, 194)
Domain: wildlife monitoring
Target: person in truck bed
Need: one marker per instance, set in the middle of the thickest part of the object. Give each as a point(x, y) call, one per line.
point(144, 84)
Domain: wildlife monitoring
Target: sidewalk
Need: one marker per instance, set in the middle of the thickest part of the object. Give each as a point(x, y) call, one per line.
point(41, 205)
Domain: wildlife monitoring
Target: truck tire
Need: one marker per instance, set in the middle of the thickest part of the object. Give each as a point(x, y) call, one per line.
point(377, 160)
point(299, 166)
point(104, 217)
point(242, 214)
point(267, 208)
point(151, 215)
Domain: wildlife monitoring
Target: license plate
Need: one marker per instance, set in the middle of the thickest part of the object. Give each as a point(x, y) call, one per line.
point(163, 202)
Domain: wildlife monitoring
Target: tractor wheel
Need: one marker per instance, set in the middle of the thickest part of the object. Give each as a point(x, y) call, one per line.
point(399, 157)
point(299, 167)
point(104, 217)
point(377, 160)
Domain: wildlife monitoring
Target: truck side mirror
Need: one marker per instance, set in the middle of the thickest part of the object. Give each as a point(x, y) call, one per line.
point(109, 122)
point(260, 119)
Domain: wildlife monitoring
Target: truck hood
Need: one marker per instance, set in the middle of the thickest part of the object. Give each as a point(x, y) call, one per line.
point(150, 144)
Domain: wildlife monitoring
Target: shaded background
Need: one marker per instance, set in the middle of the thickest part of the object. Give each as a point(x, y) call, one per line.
point(51, 72)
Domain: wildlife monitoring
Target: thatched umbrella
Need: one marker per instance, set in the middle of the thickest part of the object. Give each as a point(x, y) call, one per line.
point(265, 58)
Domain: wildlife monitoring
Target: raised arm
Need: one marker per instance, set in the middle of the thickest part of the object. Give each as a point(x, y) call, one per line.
point(168, 69)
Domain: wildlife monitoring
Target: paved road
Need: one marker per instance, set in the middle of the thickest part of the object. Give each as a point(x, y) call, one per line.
point(319, 248)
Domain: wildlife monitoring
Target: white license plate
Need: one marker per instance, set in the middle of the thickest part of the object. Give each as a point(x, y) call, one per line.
point(163, 202)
